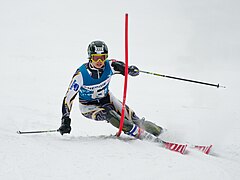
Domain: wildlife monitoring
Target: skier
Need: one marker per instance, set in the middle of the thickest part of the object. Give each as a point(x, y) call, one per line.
point(91, 82)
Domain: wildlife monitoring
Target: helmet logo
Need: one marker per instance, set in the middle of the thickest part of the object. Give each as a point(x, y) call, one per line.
point(99, 50)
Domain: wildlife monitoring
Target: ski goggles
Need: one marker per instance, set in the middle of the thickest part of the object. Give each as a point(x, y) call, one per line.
point(99, 57)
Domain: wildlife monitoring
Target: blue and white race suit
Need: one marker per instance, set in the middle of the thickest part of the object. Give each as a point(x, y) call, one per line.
point(92, 85)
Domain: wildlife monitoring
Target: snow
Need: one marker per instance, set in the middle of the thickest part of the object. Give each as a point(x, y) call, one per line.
point(43, 42)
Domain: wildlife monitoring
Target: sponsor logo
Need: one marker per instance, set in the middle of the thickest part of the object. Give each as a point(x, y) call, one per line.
point(99, 50)
point(97, 86)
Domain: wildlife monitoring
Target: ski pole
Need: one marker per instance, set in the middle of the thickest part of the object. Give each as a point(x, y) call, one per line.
point(182, 79)
point(32, 132)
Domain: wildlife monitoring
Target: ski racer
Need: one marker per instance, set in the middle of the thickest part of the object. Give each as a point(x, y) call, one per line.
point(91, 83)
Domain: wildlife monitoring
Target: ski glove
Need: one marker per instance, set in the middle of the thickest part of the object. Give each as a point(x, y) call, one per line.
point(133, 71)
point(65, 126)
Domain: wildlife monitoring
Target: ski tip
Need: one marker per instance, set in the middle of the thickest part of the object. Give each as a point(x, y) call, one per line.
point(183, 148)
point(208, 149)
point(204, 149)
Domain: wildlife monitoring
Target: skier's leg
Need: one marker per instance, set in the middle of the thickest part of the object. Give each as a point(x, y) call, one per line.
point(93, 112)
point(128, 113)
point(129, 127)
point(150, 127)
point(114, 118)
point(107, 112)
point(111, 112)
point(131, 116)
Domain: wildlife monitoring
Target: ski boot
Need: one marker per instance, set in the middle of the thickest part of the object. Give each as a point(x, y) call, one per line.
point(149, 126)
point(130, 128)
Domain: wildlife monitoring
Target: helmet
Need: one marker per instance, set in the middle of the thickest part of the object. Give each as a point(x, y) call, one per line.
point(97, 47)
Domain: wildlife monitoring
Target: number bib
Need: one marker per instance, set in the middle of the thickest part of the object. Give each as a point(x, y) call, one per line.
point(93, 89)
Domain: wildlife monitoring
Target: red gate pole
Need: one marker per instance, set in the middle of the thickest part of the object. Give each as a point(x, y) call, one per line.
point(126, 77)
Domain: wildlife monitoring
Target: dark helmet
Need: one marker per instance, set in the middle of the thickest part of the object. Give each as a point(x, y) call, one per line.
point(97, 47)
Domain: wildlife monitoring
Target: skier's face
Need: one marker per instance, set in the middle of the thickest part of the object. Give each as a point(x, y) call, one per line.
point(98, 64)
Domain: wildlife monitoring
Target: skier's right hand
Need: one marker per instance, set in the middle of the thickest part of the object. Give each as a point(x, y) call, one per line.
point(65, 126)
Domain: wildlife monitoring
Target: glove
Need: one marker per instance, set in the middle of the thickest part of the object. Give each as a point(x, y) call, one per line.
point(133, 71)
point(65, 126)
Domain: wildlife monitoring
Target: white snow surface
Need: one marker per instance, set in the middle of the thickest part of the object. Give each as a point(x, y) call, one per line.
point(42, 43)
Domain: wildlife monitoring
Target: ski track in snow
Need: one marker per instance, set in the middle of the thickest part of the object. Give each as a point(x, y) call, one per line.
point(42, 44)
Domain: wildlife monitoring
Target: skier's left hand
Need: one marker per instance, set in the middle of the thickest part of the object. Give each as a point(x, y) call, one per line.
point(133, 71)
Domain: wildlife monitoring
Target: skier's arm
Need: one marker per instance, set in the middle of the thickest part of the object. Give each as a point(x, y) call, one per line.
point(73, 89)
point(118, 67)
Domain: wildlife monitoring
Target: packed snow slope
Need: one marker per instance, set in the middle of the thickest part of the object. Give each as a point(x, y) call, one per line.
point(42, 43)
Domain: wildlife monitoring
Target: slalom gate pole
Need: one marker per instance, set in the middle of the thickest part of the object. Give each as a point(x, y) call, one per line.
point(182, 79)
point(34, 132)
point(126, 77)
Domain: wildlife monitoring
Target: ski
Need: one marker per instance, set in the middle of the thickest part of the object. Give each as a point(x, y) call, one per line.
point(203, 148)
point(176, 147)
point(181, 147)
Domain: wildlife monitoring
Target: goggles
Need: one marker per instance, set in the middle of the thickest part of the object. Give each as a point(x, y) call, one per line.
point(99, 57)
